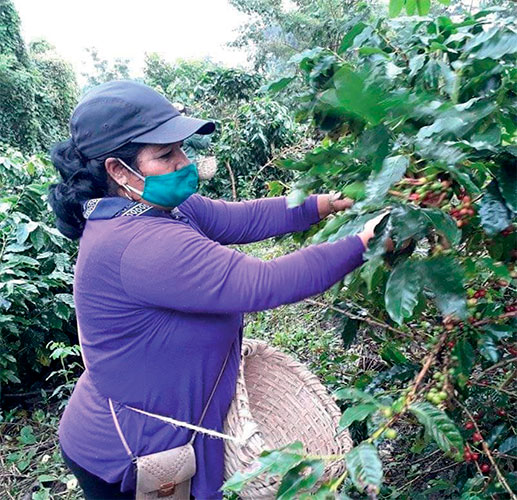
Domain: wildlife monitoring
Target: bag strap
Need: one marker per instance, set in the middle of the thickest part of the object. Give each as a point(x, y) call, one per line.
point(169, 420)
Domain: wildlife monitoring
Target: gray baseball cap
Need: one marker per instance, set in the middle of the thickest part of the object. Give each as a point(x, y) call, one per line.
point(122, 111)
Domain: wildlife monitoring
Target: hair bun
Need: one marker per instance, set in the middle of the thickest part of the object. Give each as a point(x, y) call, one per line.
point(67, 159)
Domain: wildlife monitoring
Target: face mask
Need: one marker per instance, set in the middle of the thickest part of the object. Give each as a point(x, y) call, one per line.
point(167, 190)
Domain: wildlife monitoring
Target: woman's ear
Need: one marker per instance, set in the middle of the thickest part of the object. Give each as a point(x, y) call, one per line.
point(116, 171)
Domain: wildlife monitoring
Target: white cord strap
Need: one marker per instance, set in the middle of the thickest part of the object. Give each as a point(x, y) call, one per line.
point(210, 432)
point(249, 430)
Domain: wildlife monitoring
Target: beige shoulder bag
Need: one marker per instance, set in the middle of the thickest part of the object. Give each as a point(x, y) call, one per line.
point(168, 474)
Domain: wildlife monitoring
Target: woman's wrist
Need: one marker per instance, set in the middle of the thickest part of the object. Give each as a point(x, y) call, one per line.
point(324, 207)
point(365, 238)
point(331, 204)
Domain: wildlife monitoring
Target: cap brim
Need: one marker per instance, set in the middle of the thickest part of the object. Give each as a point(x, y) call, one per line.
point(176, 129)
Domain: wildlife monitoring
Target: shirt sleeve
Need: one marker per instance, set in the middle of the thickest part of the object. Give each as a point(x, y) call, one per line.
point(171, 265)
point(249, 221)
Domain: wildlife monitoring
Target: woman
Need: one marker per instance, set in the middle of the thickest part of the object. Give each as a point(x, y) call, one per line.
point(159, 298)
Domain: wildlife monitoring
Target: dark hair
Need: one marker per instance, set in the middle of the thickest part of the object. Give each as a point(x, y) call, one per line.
point(83, 179)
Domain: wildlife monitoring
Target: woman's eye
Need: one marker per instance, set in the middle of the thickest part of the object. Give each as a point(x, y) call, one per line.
point(166, 154)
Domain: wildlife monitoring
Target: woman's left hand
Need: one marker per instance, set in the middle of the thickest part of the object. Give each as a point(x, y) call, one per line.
point(324, 207)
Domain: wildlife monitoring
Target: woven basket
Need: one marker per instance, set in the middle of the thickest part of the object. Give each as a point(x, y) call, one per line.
point(207, 167)
point(281, 402)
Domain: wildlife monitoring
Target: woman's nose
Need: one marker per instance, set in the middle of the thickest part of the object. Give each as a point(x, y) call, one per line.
point(183, 161)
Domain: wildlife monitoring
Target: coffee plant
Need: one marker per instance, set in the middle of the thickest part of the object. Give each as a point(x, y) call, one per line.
point(36, 272)
point(420, 122)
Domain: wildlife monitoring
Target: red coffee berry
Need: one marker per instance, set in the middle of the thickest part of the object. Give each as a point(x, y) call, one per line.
point(475, 456)
point(414, 196)
point(469, 426)
point(501, 412)
point(482, 293)
point(466, 199)
point(477, 437)
point(450, 344)
point(485, 468)
point(467, 456)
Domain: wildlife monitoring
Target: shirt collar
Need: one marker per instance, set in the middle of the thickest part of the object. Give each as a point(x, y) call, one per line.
point(110, 207)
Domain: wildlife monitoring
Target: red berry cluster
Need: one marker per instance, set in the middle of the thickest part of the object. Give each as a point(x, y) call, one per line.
point(463, 212)
point(470, 456)
point(473, 456)
point(479, 294)
point(507, 231)
point(510, 308)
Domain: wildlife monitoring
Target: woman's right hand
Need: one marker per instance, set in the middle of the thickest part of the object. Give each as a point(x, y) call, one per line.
point(369, 229)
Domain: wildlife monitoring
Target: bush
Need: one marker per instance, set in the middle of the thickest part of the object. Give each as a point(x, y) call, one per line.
point(36, 272)
point(420, 117)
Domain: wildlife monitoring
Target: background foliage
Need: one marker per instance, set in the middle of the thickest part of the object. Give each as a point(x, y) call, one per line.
point(420, 118)
point(415, 116)
point(38, 90)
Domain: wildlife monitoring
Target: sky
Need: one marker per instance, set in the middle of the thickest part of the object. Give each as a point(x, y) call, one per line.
point(192, 29)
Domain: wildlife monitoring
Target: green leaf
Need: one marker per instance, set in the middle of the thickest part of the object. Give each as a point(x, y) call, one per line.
point(278, 85)
point(423, 7)
point(38, 239)
point(499, 332)
point(23, 231)
point(356, 414)
point(392, 354)
point(507, 179)
point(395, 7)
point(372, 272)
point(330, 228)
point(443, 276)
point(378, 185)
point(373, 146)
point(45, 478)
point(352, 394)
point(497, 46)
point(465, 353)
point(368, 51)
point(377, 244)
point(351, 227)
point(355, 190)
point(296, 198)
point(443, 224)
point(365, 467)
point(348, 39)
point(495, 433)
point(294, 481)
point(27, 436)
point(411, 7)
point(493, 211)
point(274, 462)
point(508, 445)
point(349, 331)
point(408, 222)
point(488, 349)
point(356, 96)
point(440, 427)
point(402, 290)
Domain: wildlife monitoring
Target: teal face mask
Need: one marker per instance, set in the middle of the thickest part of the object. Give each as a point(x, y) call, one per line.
point(167, 190)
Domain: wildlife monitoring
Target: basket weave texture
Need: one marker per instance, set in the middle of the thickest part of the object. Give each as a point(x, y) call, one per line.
point(281, 402)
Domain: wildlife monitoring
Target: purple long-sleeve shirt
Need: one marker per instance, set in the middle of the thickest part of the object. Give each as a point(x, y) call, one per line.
point(160, 301)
